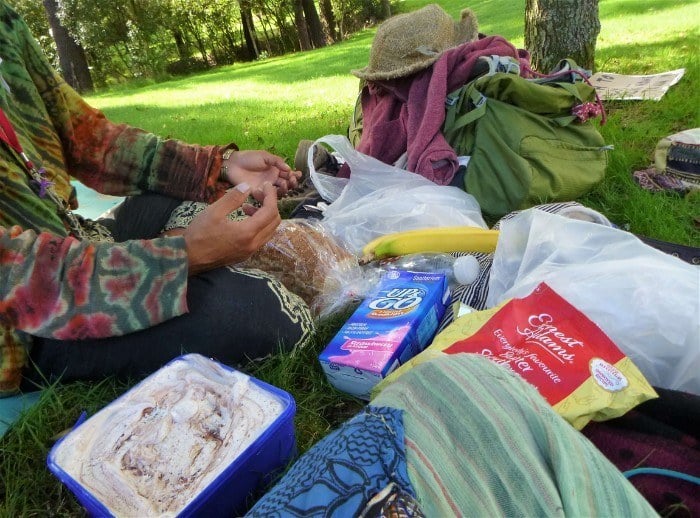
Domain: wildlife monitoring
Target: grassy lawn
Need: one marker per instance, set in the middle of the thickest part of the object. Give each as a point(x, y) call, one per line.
point(274, 103)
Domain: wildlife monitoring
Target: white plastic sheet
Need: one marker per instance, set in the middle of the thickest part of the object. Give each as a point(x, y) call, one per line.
point(646, 301)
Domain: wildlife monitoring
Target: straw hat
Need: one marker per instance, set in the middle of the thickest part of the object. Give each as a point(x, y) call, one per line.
point(407, 43)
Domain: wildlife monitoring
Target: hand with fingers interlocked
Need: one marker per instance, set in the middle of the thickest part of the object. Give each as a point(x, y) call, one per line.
point(255, 167)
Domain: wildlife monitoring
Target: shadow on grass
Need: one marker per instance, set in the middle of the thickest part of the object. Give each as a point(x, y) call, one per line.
point(627, 8)
point(335, 60)
point(652, 58)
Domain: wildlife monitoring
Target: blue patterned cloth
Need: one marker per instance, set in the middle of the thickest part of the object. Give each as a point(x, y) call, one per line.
point(343, 471)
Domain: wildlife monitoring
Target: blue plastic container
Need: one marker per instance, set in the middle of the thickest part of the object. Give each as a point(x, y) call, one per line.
point(232, 492)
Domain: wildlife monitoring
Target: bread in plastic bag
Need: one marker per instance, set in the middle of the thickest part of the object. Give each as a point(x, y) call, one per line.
point(309, 262)
point(380, 199)
point(646, 301)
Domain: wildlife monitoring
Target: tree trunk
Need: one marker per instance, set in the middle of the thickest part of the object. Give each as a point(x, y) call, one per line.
point(314, 24)
point(182, 48)
point(386, 9)
point(71, 55)
point(329, 17)
point(267, 30)
point(302, 28)
point(251, 39)
point(558, 29)
point(195, 33)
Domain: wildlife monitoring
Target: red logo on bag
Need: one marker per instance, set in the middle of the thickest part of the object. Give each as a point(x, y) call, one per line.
point(546, 340)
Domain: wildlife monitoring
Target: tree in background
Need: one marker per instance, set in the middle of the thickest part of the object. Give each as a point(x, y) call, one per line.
point(118, 37)
point(558, 29)
point(34, 14)
point(329, 19)
point(71, 55)
point(154, 39)
point(251, 39)
point(386, 9)
point(60, 45)
point(313, 22)
point(301, 25)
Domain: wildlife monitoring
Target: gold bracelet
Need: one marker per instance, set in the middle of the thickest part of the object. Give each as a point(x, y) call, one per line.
point(224, 169)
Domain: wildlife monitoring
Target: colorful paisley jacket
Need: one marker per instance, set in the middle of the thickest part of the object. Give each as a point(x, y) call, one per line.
point(52, 284)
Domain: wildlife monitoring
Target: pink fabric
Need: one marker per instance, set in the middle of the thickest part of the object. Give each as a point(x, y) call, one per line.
point(406, 114)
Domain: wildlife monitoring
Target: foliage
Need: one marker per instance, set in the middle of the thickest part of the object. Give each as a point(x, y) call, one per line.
point(354, 15)
point(154, 38)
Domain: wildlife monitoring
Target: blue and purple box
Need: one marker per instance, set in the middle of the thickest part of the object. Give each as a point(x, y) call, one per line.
point(393, 324)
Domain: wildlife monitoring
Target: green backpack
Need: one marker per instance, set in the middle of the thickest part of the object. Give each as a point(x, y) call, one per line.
point(525, 145)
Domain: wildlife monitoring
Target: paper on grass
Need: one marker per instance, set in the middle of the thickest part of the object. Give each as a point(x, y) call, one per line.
point(618, 86)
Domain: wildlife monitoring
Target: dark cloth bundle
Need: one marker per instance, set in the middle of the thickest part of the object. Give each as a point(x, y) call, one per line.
point(661, 434)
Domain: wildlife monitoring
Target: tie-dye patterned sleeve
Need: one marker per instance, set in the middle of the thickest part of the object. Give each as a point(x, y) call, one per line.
point(116, 158)
point(63, 288)
point(55, 286)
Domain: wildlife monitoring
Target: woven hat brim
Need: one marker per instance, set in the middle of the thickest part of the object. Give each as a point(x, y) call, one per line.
point(382, 75)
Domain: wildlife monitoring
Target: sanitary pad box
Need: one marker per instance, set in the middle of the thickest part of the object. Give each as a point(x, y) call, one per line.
point(394, 323)
point(195, 438)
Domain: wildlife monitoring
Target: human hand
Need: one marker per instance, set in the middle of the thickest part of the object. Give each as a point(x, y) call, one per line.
point(213, 240)
point(257, 166)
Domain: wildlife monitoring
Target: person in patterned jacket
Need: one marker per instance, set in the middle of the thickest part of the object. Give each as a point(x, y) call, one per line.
point(84, 300)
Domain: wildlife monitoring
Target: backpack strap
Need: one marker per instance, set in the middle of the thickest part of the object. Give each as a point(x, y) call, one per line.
point(454, 102)
point(571, 88)
point(567, 72)
point(458, 115)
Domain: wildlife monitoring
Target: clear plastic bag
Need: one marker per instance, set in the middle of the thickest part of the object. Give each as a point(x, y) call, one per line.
point(458, 269)
point(380, 199)
point(309, 262)
point(646, 301)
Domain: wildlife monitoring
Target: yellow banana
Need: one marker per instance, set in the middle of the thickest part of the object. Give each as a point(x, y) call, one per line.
point(437, 239)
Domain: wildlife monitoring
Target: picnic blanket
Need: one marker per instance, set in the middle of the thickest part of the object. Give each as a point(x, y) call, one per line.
point(477, 440)
point(657, 445)
point(11, 408)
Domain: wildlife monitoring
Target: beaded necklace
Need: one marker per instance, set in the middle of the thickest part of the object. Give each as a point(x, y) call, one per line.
point(38, 182)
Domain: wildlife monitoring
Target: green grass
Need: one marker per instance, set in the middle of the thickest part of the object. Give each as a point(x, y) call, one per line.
point(269, 104)
point(274, 103)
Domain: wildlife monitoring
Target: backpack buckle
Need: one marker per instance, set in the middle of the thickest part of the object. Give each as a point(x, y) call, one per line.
point(480, 101)
point(504, 64)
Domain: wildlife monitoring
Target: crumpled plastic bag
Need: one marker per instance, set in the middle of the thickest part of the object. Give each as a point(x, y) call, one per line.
point(646, 301)
point(380, 199)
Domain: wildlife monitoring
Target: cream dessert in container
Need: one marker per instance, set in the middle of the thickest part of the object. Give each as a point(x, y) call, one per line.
point(195, 437)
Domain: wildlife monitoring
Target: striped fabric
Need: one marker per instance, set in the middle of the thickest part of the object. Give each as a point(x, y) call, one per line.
point(481, 442)
point(474, 294)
